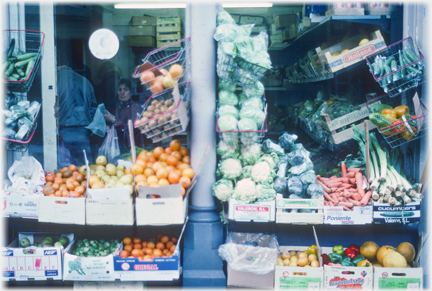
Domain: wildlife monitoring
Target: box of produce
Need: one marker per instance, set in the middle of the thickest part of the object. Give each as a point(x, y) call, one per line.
point(82, 285)
point(143, 20)
point(141, 41)
point(289, 32)
point(146, 30)
point(90, 260)
point(403, 214)
point(165, 114)
point(398, 67)
point(170, 26)
point(346, 268)
point(351, 51)
point(378, 8)
point(21, 66)
point(153, 259)
point(288, 210)
point(163, 21)
point(345, 11)
point(249, 19)
point(16, 205)
point(251, 258)
point(63, 199)
point(299, 267)
point(285, 20)
point(258, 211)
point(35, 256)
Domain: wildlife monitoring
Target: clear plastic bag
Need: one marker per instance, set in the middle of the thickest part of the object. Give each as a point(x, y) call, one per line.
point(110, 147)
point(308, 177)
point(98, 125)
point(64, 155)
point(280, 185)
point(241, 247)
point(295, 186)
point(299, 169)
point(26, 175)
point(287, 141)
point(270, 146)
point(315, 190)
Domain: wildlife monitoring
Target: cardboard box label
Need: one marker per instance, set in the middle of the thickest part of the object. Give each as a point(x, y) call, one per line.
point(384, 213)
point(336, 215)
point(88, 268)
point(342, 277)
point(299, 283)
point(399, 283)
point(263, 211)
point(21, 206)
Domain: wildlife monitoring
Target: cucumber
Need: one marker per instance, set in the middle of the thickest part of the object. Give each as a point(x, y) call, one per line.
point(397, 214)
point(16, 76)
point(26, 56)
point(29, 68)
point(11, 47)
point(376, 108)
point(379, 120)
point(23, 63)
point(10, 69)
point(411, 56)
point(389, 60)
point(5, 66)
point(20, 72)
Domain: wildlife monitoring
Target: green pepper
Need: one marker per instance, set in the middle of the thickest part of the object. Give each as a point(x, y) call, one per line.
point(338, 250)
point(346, 262)
point(358, 259)
point(334, 257)
point(312, 250)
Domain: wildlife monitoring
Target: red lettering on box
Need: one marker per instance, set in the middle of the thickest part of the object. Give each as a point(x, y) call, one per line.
point(146, 267)
point(253, 208)
point(358, 54)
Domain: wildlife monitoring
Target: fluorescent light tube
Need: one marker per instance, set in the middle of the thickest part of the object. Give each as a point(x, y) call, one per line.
point(246, 4)
point(149, 5)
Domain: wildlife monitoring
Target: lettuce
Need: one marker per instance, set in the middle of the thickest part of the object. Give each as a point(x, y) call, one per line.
point(227, 98)
point(227, 123)
point(253, 113)
point(228, 110)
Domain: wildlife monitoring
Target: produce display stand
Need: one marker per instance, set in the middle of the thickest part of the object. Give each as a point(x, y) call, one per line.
point(283, 216)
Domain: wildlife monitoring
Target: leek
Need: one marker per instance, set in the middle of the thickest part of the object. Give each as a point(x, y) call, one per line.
point(381, 155)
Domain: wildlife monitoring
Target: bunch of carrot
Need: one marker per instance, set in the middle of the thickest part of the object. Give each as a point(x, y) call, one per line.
point(347, 191)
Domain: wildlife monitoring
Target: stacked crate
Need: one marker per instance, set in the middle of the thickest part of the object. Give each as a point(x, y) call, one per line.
point(142, 31)
point(168, 30)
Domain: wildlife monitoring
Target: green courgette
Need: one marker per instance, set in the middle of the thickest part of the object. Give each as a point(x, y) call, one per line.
point(10, 69)
point(20, 72)
point(376, 108)
point(26, 56)
point(29, 68)
point(23, 63)
point(16, 76)
point(379, 120)
point(11, 47)
point(397, 214)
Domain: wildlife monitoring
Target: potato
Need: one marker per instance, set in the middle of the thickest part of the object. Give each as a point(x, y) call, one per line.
point(171, 107)
point(178, 129)
point(150, 114)
point(154, 102)
point(294, 259)
point(285, 255)
point(292, 264)
point(315, 264)
point(173, 122)
point(174, 115)
point(293, 253)
point(152, 124)
point(161, 120)
point(146, 127)
point(301, 255)
point(156, 131)
point(312, 257)
point(163, 108)
point(157, 111)
point(302, 261)
point(164, 135)
point(286, 262)
point(158, 105)
point(167, 126)
point(151, 108)
point(144, 119)
point(168, 103)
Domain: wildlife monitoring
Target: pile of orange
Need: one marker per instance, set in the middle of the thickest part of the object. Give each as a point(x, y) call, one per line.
point(166, 78)
point(161, 246)
point(68, 182)
point(164, 167)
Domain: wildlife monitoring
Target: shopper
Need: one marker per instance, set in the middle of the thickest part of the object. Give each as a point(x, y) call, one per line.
point(77, 107)
point(107, 82)
point(125, 109)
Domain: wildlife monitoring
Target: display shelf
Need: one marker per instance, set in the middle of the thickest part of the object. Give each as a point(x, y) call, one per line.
point(276, 89)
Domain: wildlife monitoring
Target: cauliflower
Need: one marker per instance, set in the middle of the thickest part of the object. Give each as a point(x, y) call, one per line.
point(245, 190)
point(230, 169)
point(250, 154)
point(227, 151)
point(262, 173)
point(246, 172)
point(223, 189)
point(272, 159)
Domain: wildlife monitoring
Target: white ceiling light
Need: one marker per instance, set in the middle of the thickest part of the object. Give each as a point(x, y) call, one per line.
point(246, 4)
point(104, 44)
point(149, 5)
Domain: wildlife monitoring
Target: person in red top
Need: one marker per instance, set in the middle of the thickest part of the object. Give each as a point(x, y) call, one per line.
point(125, 109)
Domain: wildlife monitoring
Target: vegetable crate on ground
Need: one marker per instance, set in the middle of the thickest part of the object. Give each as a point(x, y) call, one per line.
point(165, 114)
point(399, 67)
point(286, 210)
point(399, 119)
point(24, 49)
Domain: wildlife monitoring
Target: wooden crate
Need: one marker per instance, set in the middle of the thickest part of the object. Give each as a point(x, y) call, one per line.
point(165, 39)
point(299, 218)
point(168, 21)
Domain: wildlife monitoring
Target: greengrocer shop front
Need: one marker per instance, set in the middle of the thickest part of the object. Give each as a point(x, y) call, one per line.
point(266, 145)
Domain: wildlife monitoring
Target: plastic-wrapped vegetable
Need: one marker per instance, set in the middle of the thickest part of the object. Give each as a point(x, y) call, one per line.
point(308, 177)
point(254, 90)
point(272, 159)
point(254, 102)
point(226, 151)
point(247, 172)
point(223, 189)
point(287, 141)
point(33, 109)
point(8, 133)
point(24, 104)
point(230, 169)
point(224, 17)
point(296, 157)
point(10, 99)
point(253, 113)
point(22, 132)
point(280, 185)
point(247, 124)
point(242, 98)
point(299, 169)
point(315, 190)
point(270, 146)
point(226, 85)
point(230, 138)
point(227, 123)
point(295, 185)
point(250, 154)
point(266, 192)
point(24, 120)
point(7, 114)
point(228, 110)
point(294, 196)
point(282, 167)
point(227, 98)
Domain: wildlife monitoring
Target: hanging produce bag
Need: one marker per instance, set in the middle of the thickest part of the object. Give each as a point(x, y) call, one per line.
point(110, 147)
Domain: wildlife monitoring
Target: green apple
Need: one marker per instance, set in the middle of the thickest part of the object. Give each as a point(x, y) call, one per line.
point(25, 242)
point(101, 160)
point(64, 241)
point(110, 184)
point(49, 239)
point(114, 178)
point(83, 170)
point(105, 179)
point(119, 184)
point(120, 173)
point(111, 169)
point(121, 168)
point(58, 244)
point(100, 173)
point(126, 179)
point(99, 167)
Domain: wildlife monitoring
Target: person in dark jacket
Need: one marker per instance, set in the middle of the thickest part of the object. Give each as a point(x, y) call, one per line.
point(125, 109)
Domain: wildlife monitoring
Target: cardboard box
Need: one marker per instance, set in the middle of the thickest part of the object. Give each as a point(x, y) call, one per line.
point(283, 216)
point(146, 30)
point(34, 263)
point(336, 215)
point(384, 213)
point(263, 211)
point(62, 210)
point(143, 20)
point(262, 251)
point(362, 276)
point(345, 11)
point(168, 21)
point(290, 32)
point(141, 41)
point(248, 19)
point(82, 285)
point(17, 205)
point(285, 20)
point(160, 269)
point(105, 208)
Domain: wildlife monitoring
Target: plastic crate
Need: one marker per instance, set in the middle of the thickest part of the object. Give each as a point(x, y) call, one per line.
point(28, 41)
point(158, 63)
point(414, 128)
point(406, 68)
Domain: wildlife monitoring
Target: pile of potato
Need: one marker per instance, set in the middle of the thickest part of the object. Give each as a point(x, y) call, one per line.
point(297, 259)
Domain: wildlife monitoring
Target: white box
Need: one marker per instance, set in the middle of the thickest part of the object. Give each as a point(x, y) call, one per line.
point(299, 218)
point(349, 275)
point(82, 285)
point(17, 205)
point(337, 215)
point(34, 263)
point(62, 210)
point(171, 208)
point(384, 213)
point(398, 278)
point(259, 212)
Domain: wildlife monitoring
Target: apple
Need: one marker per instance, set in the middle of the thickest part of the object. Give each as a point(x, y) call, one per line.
point(39, 245)
point(100, 173)
point(58, 244)
point(25, 242)
point(126, 179)
point(105, 179)
point(120, 173)
point(83, 170)
point(93, 167)
point(99, 167)
point(64, 240)
point(111, 169)
point(121, 168)
point(114, 178)
point(49, 239)
point(101, 160)
point(119, 184)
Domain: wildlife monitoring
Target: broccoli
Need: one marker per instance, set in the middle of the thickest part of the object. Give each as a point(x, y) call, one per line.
point(75, 265)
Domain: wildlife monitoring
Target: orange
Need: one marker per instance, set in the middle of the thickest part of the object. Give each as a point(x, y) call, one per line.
point(137, 169)
point(165, 239)
point(186, 160)
point(152, 179)
point(169, 244)
point(140, 183)
point(158, 151)
point(157, 85)
point(136, 240)
point(79, 177)
point(48, 190)
point(172, 249)
point(183, 191)
point(58, 175)
point(170, 169)
point(159, 235)
point(178, 171)
point(71, 186)
point(58, 194)
point(142, 156)
point(49, 178)
point(137, 246)
point(151, 245)
point(97, 185)
point(51, 173)
point(173, 177)
point(128, 171)
point(55, 186)
point(175, 145)
point(173, 239)
point(148, 258)
point(124, 254)
point(176, 71)
point(154, 185)
point(144, 244)
point(146, 77)
point(128, 248)
point(58, 181)
point(188, 173)
point(74, 194)
point(140, 177)
point(62, 187)
point(183, 151)
point(177, 155)
point(169, 254)
point(72, 168)
point(76, 183)
point(93, 179)
point(168, 150)
point(160, 245)
point(136, 253)
point(80, 190)
point(64, 169)
point(163, 157)
point(172, 160)
point(141, 163)
point(164, 182)
point(83, 184)
point(127, 240)
point(157, 253)
point(65, 193)
point(149, 165)
point(162, 173)
point(182, 167)
point(156, 166)
point(48, 183)
point(185, 181)
point(164, 164)
point(148, 251)
point(165, 251)
point(151, 158)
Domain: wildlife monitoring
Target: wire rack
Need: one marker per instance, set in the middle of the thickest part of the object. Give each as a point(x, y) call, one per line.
point(164, 67)
point(26, 41)
point(164, 123)
point(412, 126)
point(398, 68)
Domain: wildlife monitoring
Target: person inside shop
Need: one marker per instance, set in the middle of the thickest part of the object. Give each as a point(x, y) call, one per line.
point(107, 82)
point(77, 107)
point(125, 109)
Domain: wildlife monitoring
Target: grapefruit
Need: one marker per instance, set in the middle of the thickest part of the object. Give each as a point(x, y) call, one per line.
point(383, 251)
point(369, 250)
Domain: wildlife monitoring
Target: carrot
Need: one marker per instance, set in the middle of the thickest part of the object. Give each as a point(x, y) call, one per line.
point(352, 190)
point(347, 194)
point(344, 169)
point(329, 198)
point(347, 204)
point(350, 175)
point(359, 181)
point(366, 198)
point(355, 202)
point(333, 177)
point(356, 196)
point(354, 170)
point(352, 181)
point(326, 189)
point(343, 187)
point(333, 184)
point(341, 180)
point(330, 203)
point(335, 196)
point(341, 198)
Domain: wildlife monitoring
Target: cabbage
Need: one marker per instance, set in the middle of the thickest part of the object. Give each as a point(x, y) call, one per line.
point(295, 185)
point(253, 102)
point(262, 173)
point(227, 123)
point(223, 189)
point(226, 151)
point(272, 159)
point(247, 124)
point(247, 172)
point(250, 154)
point(228, 110)
point(227, 98)
point(308, 177)
point(270, 146)
point(230, 138)
point(315, 190)
point(245, 190)
point(266, 192)
point(253, 113)
point(280, 185)
point(306, 166)
point(254, 90)
point(226, 85)
point(224, 17)
point(230, 169)
point(242, 97)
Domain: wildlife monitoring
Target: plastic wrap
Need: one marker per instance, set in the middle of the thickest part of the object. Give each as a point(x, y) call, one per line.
point(254, 90)
point(10, 99)
point(287, 141)
point(295, 185)
point(226, 85)
point(282, 167)
point(280, 185)
point(8, 133)
point(22, 132)
point(224, 17)
point(27, 176)
point(253, 113)
point(254, 50)
point(240, 247)
point(299, 169)
point(315, 190)
point(227, 123)
point(308, 177)
point(98, 125)
point(270, 146)
point(266, 192)
point(33, 109)
point(24, 120)
point(227, 98)
point(242, 98)
point(24, 104)
point(296, 158)
point(254, 102)
point(250, 154)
